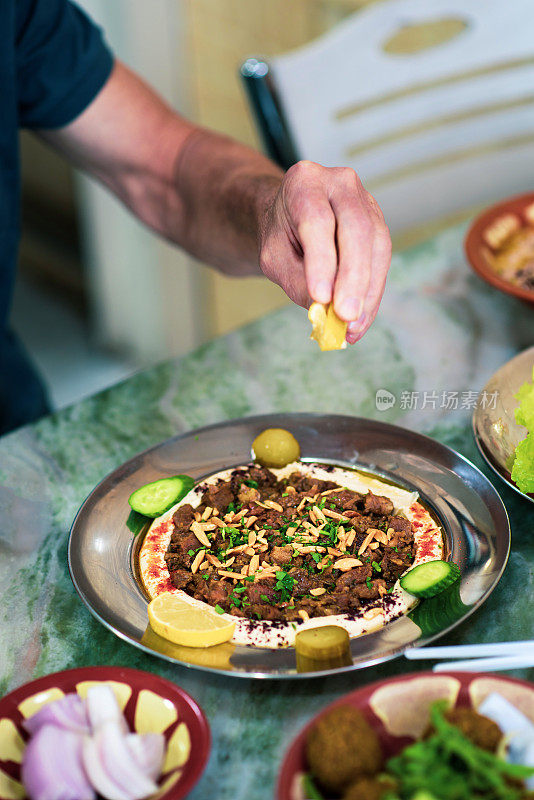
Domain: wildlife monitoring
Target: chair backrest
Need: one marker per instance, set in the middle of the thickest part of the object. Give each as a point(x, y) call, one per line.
point(446, 127)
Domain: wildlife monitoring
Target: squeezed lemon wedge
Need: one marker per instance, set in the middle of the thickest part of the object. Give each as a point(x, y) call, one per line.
point(327, 329)
point(180, 622)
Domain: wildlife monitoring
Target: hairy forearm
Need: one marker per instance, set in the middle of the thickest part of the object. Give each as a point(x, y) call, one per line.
point(315, 231)
point(222, 188)
point(195, 187)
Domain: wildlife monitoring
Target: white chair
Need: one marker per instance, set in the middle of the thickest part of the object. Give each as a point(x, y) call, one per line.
point(431, 132)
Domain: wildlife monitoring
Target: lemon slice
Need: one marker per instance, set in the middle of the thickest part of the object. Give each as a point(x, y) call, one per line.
point(182, 623)
point(327, 329)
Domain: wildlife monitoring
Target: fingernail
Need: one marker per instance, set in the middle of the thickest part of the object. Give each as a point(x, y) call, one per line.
point(351, 308)
point(323, 292)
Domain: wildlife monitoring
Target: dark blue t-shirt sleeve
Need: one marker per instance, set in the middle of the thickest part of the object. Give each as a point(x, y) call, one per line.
point(62, 62)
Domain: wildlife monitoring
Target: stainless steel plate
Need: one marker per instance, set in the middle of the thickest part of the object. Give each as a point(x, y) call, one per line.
point(497, 434)
point(477, 532)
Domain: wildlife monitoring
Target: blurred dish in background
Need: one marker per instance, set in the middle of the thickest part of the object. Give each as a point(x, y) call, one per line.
point(495, 428)
point(500, 246)
point(384, 718)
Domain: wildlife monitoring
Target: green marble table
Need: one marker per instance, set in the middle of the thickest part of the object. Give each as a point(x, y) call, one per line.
point(440, 330)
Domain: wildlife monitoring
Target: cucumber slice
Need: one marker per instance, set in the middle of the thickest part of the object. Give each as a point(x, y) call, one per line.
point(157, 497)
point(426, 580)
point(434, 614)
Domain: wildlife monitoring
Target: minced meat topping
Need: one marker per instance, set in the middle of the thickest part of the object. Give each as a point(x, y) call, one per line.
point(288, 549)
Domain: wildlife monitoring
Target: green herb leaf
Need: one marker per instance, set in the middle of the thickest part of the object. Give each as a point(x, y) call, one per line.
point(218, 609)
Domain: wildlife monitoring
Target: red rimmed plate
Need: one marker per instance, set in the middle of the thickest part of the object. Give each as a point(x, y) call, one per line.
point(398, 710)
point(149, 703)
point(475, 246)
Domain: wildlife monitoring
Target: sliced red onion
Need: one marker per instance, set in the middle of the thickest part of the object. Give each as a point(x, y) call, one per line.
point(148, 749)
point(112, 768)
point(98, 775)
point(52, 766)
point(68, 712)
point(102, 707)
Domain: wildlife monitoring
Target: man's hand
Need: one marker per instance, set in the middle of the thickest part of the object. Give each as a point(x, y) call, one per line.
point(323, 237)
point(320, 234)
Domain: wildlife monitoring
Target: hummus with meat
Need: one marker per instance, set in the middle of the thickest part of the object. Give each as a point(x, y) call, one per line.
point(286, 549)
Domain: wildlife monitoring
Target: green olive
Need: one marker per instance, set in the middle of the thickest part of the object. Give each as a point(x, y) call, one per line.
point(275, 447)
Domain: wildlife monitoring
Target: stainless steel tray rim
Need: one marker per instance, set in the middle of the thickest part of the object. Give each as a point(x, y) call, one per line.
point(115, 477)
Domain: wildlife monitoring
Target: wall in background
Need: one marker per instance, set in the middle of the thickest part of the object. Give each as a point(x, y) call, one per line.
point(221, 35)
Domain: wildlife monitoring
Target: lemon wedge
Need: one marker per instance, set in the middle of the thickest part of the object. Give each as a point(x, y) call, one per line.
point(327, 329)
point(182, 623)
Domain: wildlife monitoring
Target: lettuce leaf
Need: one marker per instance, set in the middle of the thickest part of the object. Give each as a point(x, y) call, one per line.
point(524, 415)
point(523, 468)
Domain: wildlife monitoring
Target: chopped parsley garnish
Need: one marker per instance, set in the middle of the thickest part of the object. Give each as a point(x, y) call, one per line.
point(376, 566)
point(218, 609)
point(264, 598)
point(284, 584)
point(236, 536)
point(240, 589)
point(252, 484)
point(369, 584)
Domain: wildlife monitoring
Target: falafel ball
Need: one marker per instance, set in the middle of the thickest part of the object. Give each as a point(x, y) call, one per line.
point(369, 788)
point(480, 730)
point(342, 747)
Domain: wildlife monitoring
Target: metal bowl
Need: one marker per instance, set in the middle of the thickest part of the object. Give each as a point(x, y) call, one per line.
point(496, 432)
point(477, 533)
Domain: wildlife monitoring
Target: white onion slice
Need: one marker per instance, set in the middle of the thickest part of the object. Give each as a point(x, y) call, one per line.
point(52, 766)
point(102, 707)
point(112, 767)
point(517, 728)
point(68, 712)
point(121, 763)
point(97, 773)
point(148, 749)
